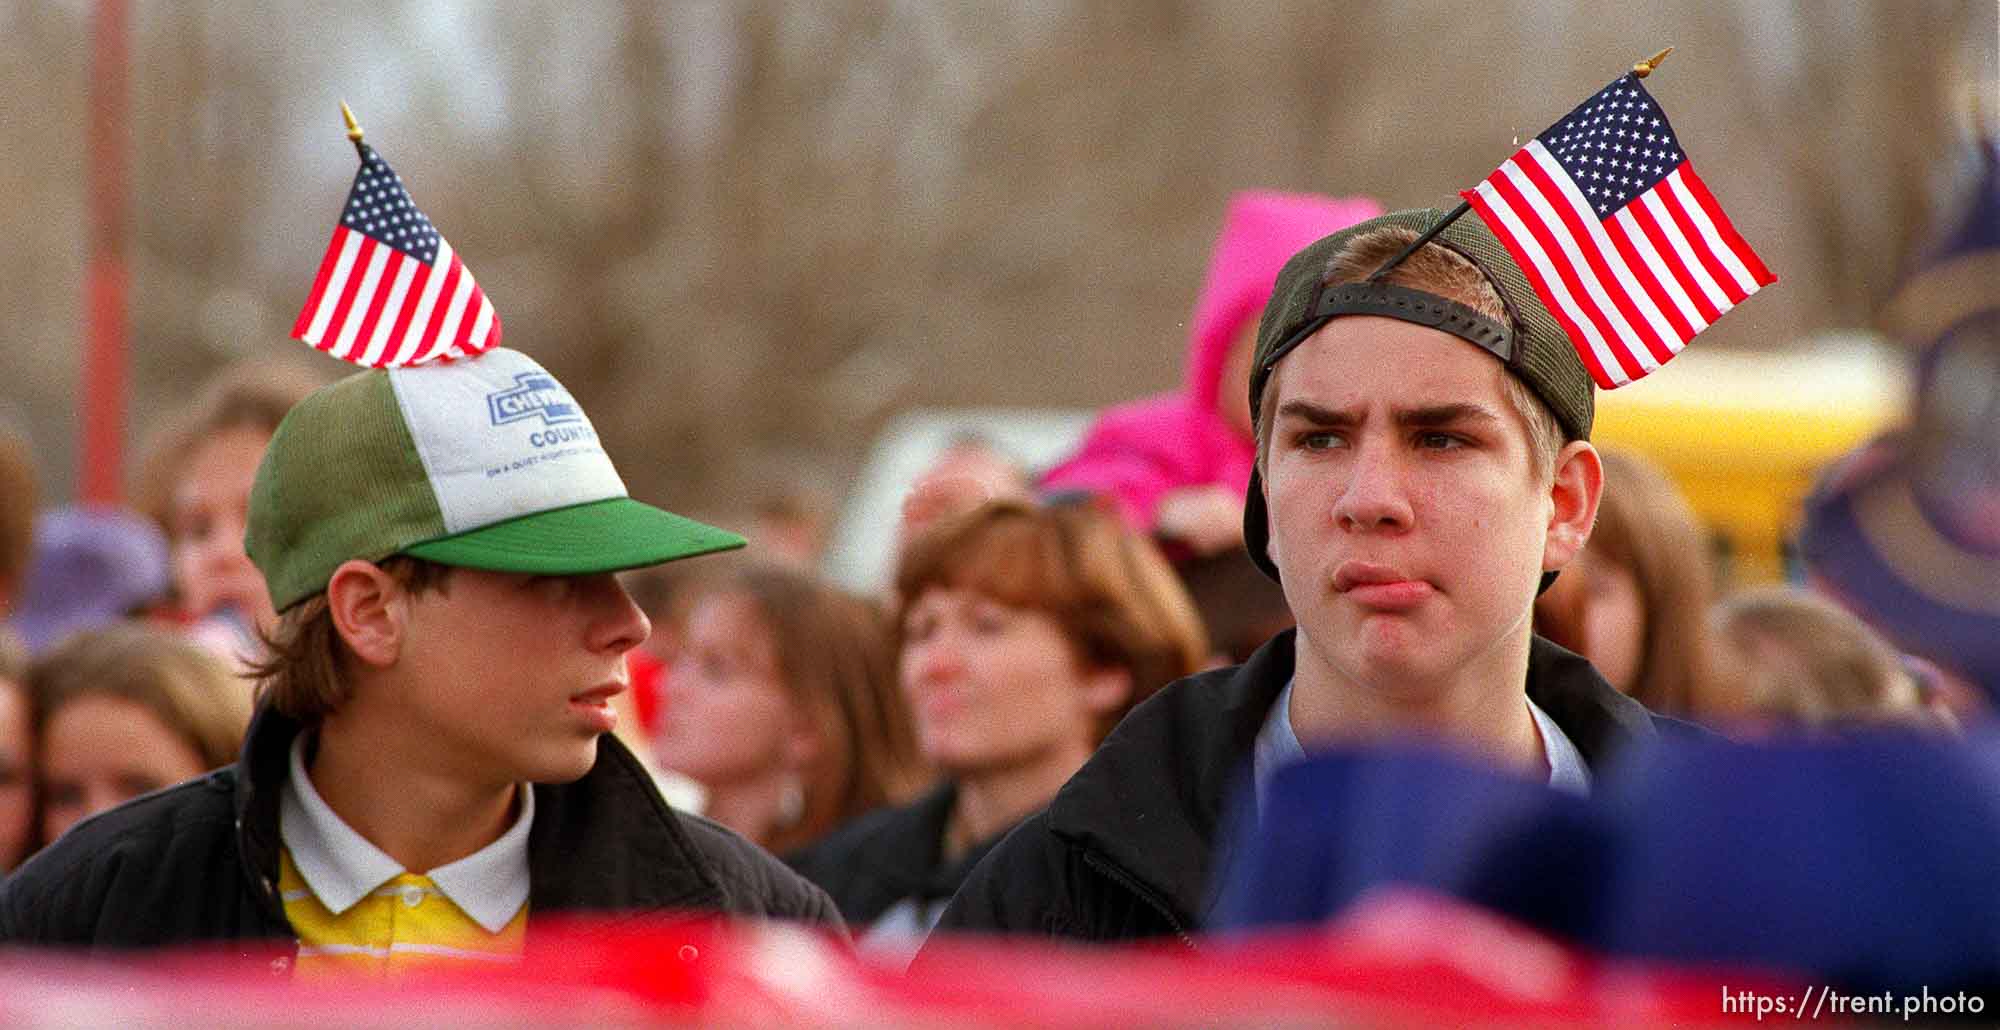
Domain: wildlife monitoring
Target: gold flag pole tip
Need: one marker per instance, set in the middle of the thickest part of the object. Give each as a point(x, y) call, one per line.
point(353, 127)
point(1645, 67)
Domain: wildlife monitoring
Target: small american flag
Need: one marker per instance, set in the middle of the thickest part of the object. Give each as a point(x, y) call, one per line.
point(390, 291)
point(1621, 239)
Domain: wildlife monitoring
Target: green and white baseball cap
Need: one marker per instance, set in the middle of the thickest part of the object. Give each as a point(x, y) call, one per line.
point(486, 463)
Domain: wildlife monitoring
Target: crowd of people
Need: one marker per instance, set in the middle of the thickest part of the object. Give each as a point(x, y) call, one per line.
point(307, 676)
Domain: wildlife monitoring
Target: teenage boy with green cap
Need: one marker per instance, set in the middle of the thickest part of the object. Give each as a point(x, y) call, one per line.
point(430, 767)
point(1423, 463)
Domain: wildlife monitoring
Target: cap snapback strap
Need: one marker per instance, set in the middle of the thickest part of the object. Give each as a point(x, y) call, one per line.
point(1404, 304)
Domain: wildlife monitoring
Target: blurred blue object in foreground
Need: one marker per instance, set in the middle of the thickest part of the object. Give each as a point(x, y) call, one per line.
point(1344, 823)
point(1864, 862)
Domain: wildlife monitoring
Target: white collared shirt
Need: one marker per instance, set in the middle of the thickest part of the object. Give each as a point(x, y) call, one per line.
point(341, 866)
point(1277, 745)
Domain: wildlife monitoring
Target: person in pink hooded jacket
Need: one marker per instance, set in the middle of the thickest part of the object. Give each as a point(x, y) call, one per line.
point(1177, 465)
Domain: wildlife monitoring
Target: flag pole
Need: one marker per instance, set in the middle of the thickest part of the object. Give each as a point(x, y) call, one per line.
point(353, 129)
point(1639, 70)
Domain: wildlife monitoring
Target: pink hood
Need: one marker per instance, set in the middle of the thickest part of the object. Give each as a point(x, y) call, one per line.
point(1261, 230)
point(1136, 452)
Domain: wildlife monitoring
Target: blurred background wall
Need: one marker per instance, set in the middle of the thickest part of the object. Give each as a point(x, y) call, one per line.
point(747, 234)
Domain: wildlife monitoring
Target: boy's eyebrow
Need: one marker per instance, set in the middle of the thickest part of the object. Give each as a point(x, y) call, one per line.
point(1427, 415)
point(1446, 414)
point(1317, 414)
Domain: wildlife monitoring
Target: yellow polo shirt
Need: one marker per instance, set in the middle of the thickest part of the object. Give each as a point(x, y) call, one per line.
point(356, 910)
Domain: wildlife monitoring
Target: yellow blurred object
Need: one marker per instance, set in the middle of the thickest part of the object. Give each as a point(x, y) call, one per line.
point(1744, 434)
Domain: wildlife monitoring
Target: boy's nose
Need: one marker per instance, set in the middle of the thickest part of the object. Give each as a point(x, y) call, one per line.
point(1373, 497)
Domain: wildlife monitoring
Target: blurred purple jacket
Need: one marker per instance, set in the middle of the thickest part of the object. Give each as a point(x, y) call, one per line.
point(1136, 452)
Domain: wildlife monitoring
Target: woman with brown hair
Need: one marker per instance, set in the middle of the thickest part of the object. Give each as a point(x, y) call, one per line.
point(1635, 601)
point(125, 710)
point(782, 705)
point(17, 758)
point(1026, 633)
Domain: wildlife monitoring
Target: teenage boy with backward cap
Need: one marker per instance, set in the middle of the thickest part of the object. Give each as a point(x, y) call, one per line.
point(430, 766)
point(1423, 467)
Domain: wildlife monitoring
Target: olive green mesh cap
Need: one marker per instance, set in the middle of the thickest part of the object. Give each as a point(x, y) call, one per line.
point(1540, 354)
point(1543, 358)
point(486, 463)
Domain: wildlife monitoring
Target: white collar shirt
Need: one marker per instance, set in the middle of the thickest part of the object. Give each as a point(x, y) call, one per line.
point(342, 867)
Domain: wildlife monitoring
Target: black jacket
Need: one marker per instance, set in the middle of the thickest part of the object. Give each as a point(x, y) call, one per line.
point(199, 861)
point(888, 855)
point(1124, 850)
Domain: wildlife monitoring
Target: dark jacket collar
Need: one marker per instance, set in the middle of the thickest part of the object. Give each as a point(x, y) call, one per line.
point(905, 848)
point(1152, 796)
point(605, 842)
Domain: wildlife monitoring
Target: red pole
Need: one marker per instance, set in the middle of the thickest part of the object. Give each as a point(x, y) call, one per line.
point(102, 385)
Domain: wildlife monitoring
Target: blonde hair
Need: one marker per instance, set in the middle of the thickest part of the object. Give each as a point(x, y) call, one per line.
point(1447, 273)
point(253, 395)
point(1802, 660)
point(1116, 599)
point(190, 689)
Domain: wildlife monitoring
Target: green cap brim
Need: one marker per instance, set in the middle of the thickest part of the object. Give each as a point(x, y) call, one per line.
point(600, 536)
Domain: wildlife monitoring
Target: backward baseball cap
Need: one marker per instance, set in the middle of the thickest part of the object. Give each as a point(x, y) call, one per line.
point(1535, 349)
point(484, 463)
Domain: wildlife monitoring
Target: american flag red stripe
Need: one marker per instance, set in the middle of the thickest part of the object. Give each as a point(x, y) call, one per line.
point(433, 327)
point(400, 332)
point(366, 309)
point(1546, 279)
point(1567, 242)
point(1630, 283)
point(1647, 213)
point(1620, 238)
point(392, 301)
point(1612, 304)
point(1650, 274)
point(390, 290)
point(346, 284)
point(326, 264)
point(1705, 263)
point(384, 268)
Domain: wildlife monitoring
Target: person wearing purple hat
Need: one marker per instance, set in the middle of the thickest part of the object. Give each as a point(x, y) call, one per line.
point(92, 566)
point(1905, 532)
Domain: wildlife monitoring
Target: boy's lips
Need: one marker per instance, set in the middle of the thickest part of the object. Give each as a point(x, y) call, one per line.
point(594, 706)
point(598, 695)
point(1353, 574)
point(1380, 587)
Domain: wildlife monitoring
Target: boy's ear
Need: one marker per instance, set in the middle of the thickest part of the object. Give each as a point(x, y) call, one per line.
point(369, 609)
point(1574, 490)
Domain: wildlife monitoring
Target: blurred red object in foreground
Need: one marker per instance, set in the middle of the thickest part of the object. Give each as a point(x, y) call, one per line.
point(1401, 960)
point(649, 686)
